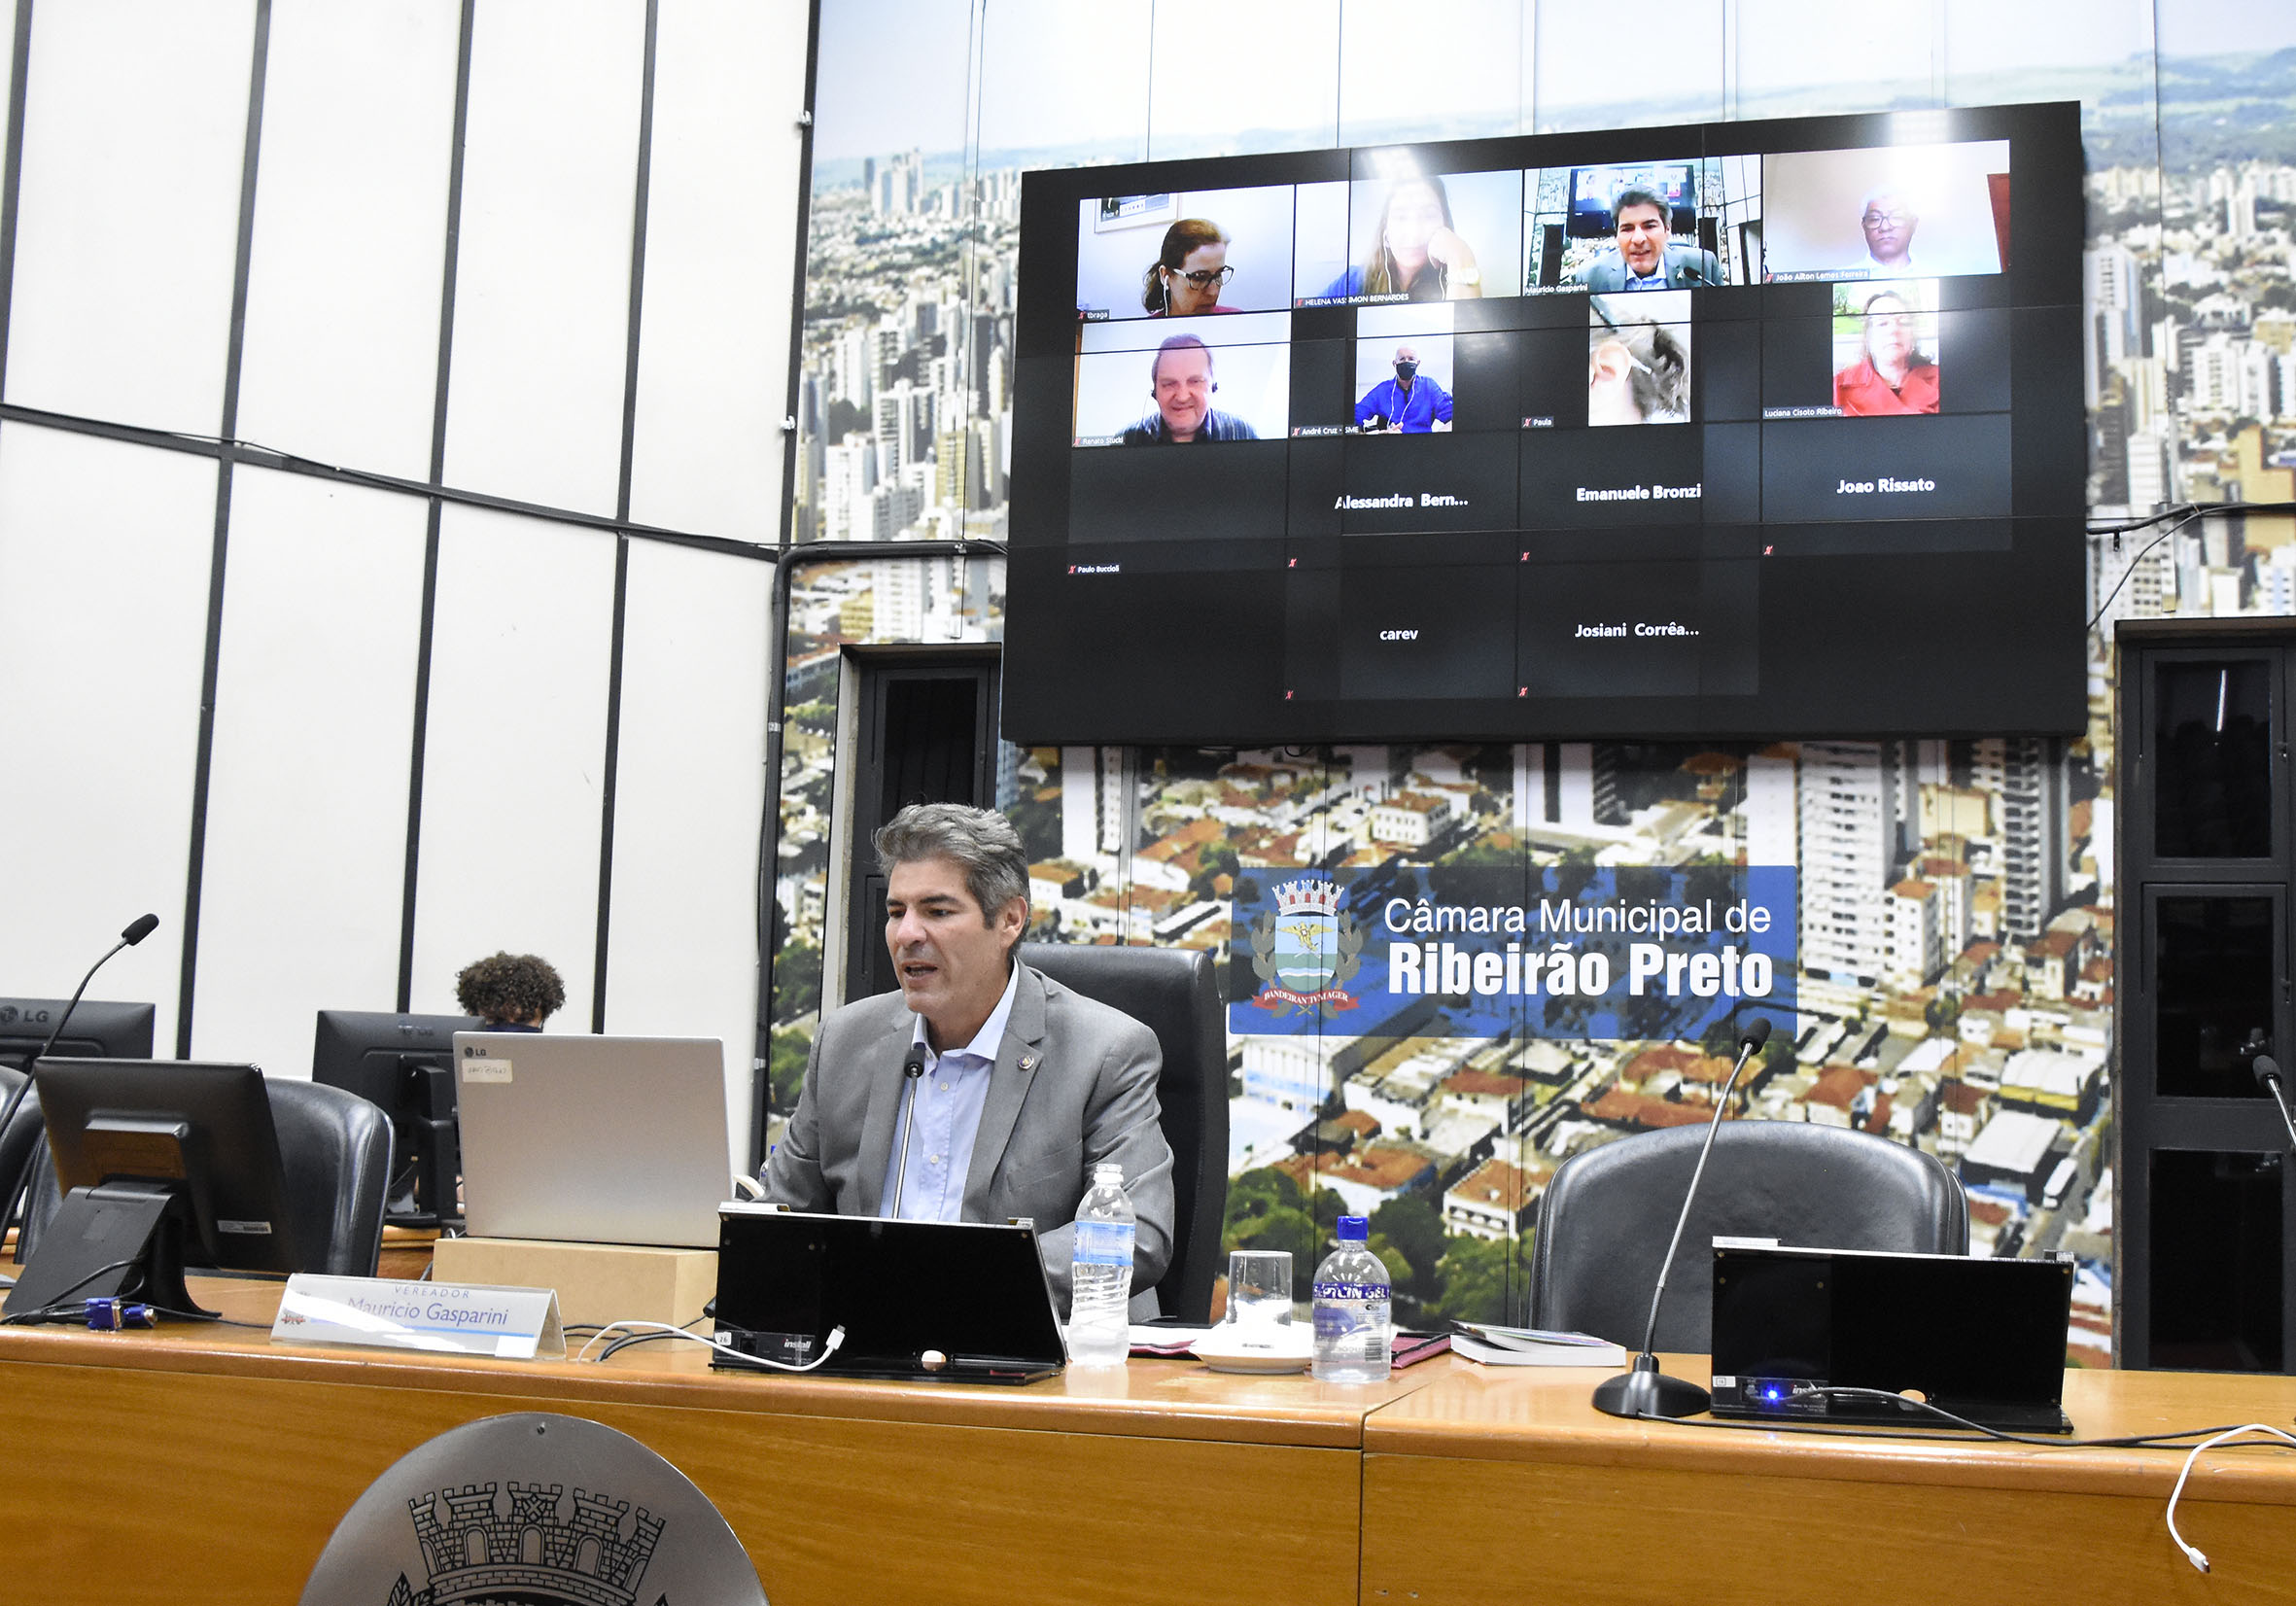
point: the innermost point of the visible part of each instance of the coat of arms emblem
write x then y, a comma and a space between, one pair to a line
1306, 950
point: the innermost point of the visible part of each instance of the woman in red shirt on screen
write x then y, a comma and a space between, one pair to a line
1892, 376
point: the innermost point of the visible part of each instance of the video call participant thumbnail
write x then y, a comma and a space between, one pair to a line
1638, 369
1888, 221
1892, 374
1415, 250
1189, 273
1409, 404
1644, 254
1180, 378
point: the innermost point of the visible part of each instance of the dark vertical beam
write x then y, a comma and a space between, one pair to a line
228, 429
13, 172
423, 645
777, 628
805, 201
613, 680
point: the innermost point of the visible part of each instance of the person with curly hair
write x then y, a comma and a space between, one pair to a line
510, 992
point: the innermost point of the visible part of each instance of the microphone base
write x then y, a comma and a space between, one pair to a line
1647, 1391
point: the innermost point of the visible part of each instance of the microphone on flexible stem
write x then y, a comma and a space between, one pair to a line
912, 1069
142, 926
1647, 1391
2268, 1077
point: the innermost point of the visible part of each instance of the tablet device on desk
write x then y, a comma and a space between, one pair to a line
1983, 1339
942, 1301
592, 1139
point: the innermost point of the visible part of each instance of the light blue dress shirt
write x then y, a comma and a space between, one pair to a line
945, 1105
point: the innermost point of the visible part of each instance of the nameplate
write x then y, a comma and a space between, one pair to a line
519, 1324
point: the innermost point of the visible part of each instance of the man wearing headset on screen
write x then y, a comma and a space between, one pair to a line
1409, 404
1180, 379
1644, 255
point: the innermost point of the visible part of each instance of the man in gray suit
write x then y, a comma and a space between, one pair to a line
1646, 256
1023, 1086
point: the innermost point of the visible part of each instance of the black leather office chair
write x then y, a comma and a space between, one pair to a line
336, 1149
1175, 993
17, 1143
1605, 1218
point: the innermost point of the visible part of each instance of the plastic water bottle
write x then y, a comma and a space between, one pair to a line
1353, 1330
1099, 1323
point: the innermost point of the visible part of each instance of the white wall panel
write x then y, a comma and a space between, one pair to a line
103, 628
1261, 77
542, 287
135, 129
515, 751
720, 243
306, 799
350, 228
689, 791
1472, 48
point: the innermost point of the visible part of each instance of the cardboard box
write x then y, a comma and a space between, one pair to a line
596, 1282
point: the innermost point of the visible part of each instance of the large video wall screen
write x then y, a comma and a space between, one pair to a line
1748, 429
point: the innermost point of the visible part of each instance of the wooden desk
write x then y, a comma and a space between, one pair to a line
1506, 1484
206, 1464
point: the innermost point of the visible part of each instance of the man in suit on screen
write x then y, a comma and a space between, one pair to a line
1025, 1085
1644, 254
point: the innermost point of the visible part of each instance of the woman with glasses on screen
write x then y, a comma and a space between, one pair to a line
1414, 250
1189, 271
1894, 376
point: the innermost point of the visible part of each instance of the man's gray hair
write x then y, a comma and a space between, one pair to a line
980, 841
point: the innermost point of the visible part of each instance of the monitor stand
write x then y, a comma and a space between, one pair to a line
115, 1240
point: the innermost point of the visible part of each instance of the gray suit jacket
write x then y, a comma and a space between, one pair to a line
1075, 1083
1607, 274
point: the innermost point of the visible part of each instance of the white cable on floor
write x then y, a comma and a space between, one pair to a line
2192, 1552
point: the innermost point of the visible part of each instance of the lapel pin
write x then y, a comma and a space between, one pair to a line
1027, 1061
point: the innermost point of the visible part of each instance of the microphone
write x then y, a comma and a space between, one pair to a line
912, 1068
142, 926
2268, 1078
1647, 1391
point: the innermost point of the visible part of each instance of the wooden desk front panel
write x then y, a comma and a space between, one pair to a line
187, 1487
1444, 1532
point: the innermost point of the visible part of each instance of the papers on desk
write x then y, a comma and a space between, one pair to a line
1172, 1342
1496, 1345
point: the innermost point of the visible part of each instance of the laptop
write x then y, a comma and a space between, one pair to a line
592, 1139
925, 1301
1983, 1339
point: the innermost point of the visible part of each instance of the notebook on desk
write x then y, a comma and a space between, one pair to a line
1983, 1339
940, 1300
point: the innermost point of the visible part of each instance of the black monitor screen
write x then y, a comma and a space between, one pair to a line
205, 1129
97, 1030
402, 1064
1747, 429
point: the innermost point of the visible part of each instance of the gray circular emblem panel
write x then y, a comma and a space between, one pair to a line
533, 1510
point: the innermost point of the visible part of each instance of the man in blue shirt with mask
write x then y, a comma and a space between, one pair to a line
1409, 403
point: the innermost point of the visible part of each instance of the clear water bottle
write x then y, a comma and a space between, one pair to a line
1099, 1323
1353, 1329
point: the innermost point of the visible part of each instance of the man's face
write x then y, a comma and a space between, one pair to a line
1184, 390
1642, 238
1888, 225
951, 965
1407, 363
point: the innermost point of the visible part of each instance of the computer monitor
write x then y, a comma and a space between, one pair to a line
402, 1064
163, 1164
98, 1029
